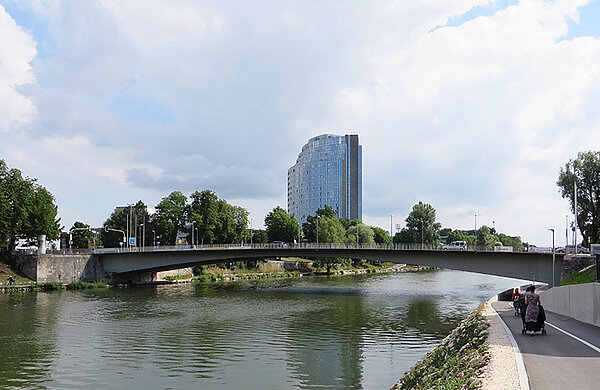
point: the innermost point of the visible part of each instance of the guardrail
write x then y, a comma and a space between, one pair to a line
403, 247
284, 246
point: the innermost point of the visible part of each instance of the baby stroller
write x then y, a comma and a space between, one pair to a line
534, 327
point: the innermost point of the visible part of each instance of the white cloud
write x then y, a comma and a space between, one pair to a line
17, 49
477, 117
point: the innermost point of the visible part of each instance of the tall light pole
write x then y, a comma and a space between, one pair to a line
154, 235
553, 258
391, 230
318, 231
421, 234
142, 229
566, 232
475, 231
575, 198
192, 228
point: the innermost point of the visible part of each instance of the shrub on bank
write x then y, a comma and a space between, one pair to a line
456, 363
49, 286
84, 285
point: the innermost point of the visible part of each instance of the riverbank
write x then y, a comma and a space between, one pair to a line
477, 354
457, 363
208, 275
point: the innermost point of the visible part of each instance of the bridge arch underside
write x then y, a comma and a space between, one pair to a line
526, 266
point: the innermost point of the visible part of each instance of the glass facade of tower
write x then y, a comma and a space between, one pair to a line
328, 171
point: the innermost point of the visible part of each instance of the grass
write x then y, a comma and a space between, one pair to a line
50, 286
178, 277
85, 286
6, 271
456, 362
586, 275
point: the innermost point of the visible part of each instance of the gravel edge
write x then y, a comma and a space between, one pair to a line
501, 373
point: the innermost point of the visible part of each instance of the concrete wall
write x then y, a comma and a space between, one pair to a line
60, 268
289, 265
579, 301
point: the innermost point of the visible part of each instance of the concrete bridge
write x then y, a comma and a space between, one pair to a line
519, 265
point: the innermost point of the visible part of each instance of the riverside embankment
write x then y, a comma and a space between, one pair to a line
477, 354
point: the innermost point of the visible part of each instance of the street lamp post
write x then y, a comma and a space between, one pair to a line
475, 231
318, 231
192, 229
107, 229
391, 230
553, 257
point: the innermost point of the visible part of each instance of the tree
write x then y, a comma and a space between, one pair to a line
132, 218
421, 226
81, 238
204, 210
216, 220
26, 208
365, 234
515, 242
42, 217
380, 236
117, 221
585, 171
281, 226
259, 236
485, 238
461, 235
309, 227
170, 217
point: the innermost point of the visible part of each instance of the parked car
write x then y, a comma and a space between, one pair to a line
456, 246
571, 249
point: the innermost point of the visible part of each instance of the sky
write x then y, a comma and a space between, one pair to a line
472, 106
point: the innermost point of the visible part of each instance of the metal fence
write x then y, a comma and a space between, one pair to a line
283, 246
288, 246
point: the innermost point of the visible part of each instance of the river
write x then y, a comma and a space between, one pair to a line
351, 332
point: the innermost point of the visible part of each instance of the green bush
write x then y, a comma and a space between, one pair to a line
85, 285
50, 286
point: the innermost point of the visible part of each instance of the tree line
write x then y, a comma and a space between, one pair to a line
202, 218
27, 209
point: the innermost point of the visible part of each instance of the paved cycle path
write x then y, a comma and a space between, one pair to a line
556, 360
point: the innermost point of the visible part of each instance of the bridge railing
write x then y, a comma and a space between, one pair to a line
284, 246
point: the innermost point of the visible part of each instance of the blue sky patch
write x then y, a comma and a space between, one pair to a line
36, 26
477, 11
145, 111
589, 22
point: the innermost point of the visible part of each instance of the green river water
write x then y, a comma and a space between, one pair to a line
351, 332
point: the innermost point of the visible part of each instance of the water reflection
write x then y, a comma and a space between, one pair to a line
338, 333
27, 339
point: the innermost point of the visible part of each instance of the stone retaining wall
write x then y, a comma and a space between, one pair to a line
574, 263
60, 268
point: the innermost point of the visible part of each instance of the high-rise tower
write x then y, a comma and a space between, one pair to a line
328, 171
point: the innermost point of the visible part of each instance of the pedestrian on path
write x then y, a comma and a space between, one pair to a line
532, 301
